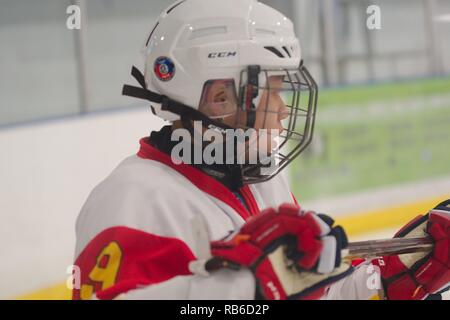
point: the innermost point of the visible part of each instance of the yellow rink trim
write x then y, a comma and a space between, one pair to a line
57, 292
355, 224
391, 217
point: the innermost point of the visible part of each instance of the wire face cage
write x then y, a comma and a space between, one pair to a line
284, 118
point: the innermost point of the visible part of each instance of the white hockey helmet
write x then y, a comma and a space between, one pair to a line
245, 41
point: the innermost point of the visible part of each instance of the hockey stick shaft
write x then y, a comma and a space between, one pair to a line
385, 247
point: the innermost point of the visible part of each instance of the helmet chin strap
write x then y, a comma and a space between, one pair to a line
232, 172
249, 98
186, 113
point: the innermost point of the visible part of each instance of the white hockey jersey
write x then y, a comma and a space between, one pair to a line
135, 237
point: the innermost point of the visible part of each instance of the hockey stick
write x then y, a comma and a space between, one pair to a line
385, 247
359, 249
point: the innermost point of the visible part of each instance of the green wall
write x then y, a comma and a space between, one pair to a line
374, 136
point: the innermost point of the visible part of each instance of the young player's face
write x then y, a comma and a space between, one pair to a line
270, 113
271, 109
219, 102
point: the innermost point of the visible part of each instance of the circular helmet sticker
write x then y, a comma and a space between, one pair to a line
164, 68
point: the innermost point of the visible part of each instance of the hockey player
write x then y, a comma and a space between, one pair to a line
171, 224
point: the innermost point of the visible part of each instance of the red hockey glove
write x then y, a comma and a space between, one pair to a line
419, 275
293, 254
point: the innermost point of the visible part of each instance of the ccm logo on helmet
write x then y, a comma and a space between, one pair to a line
213, 55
